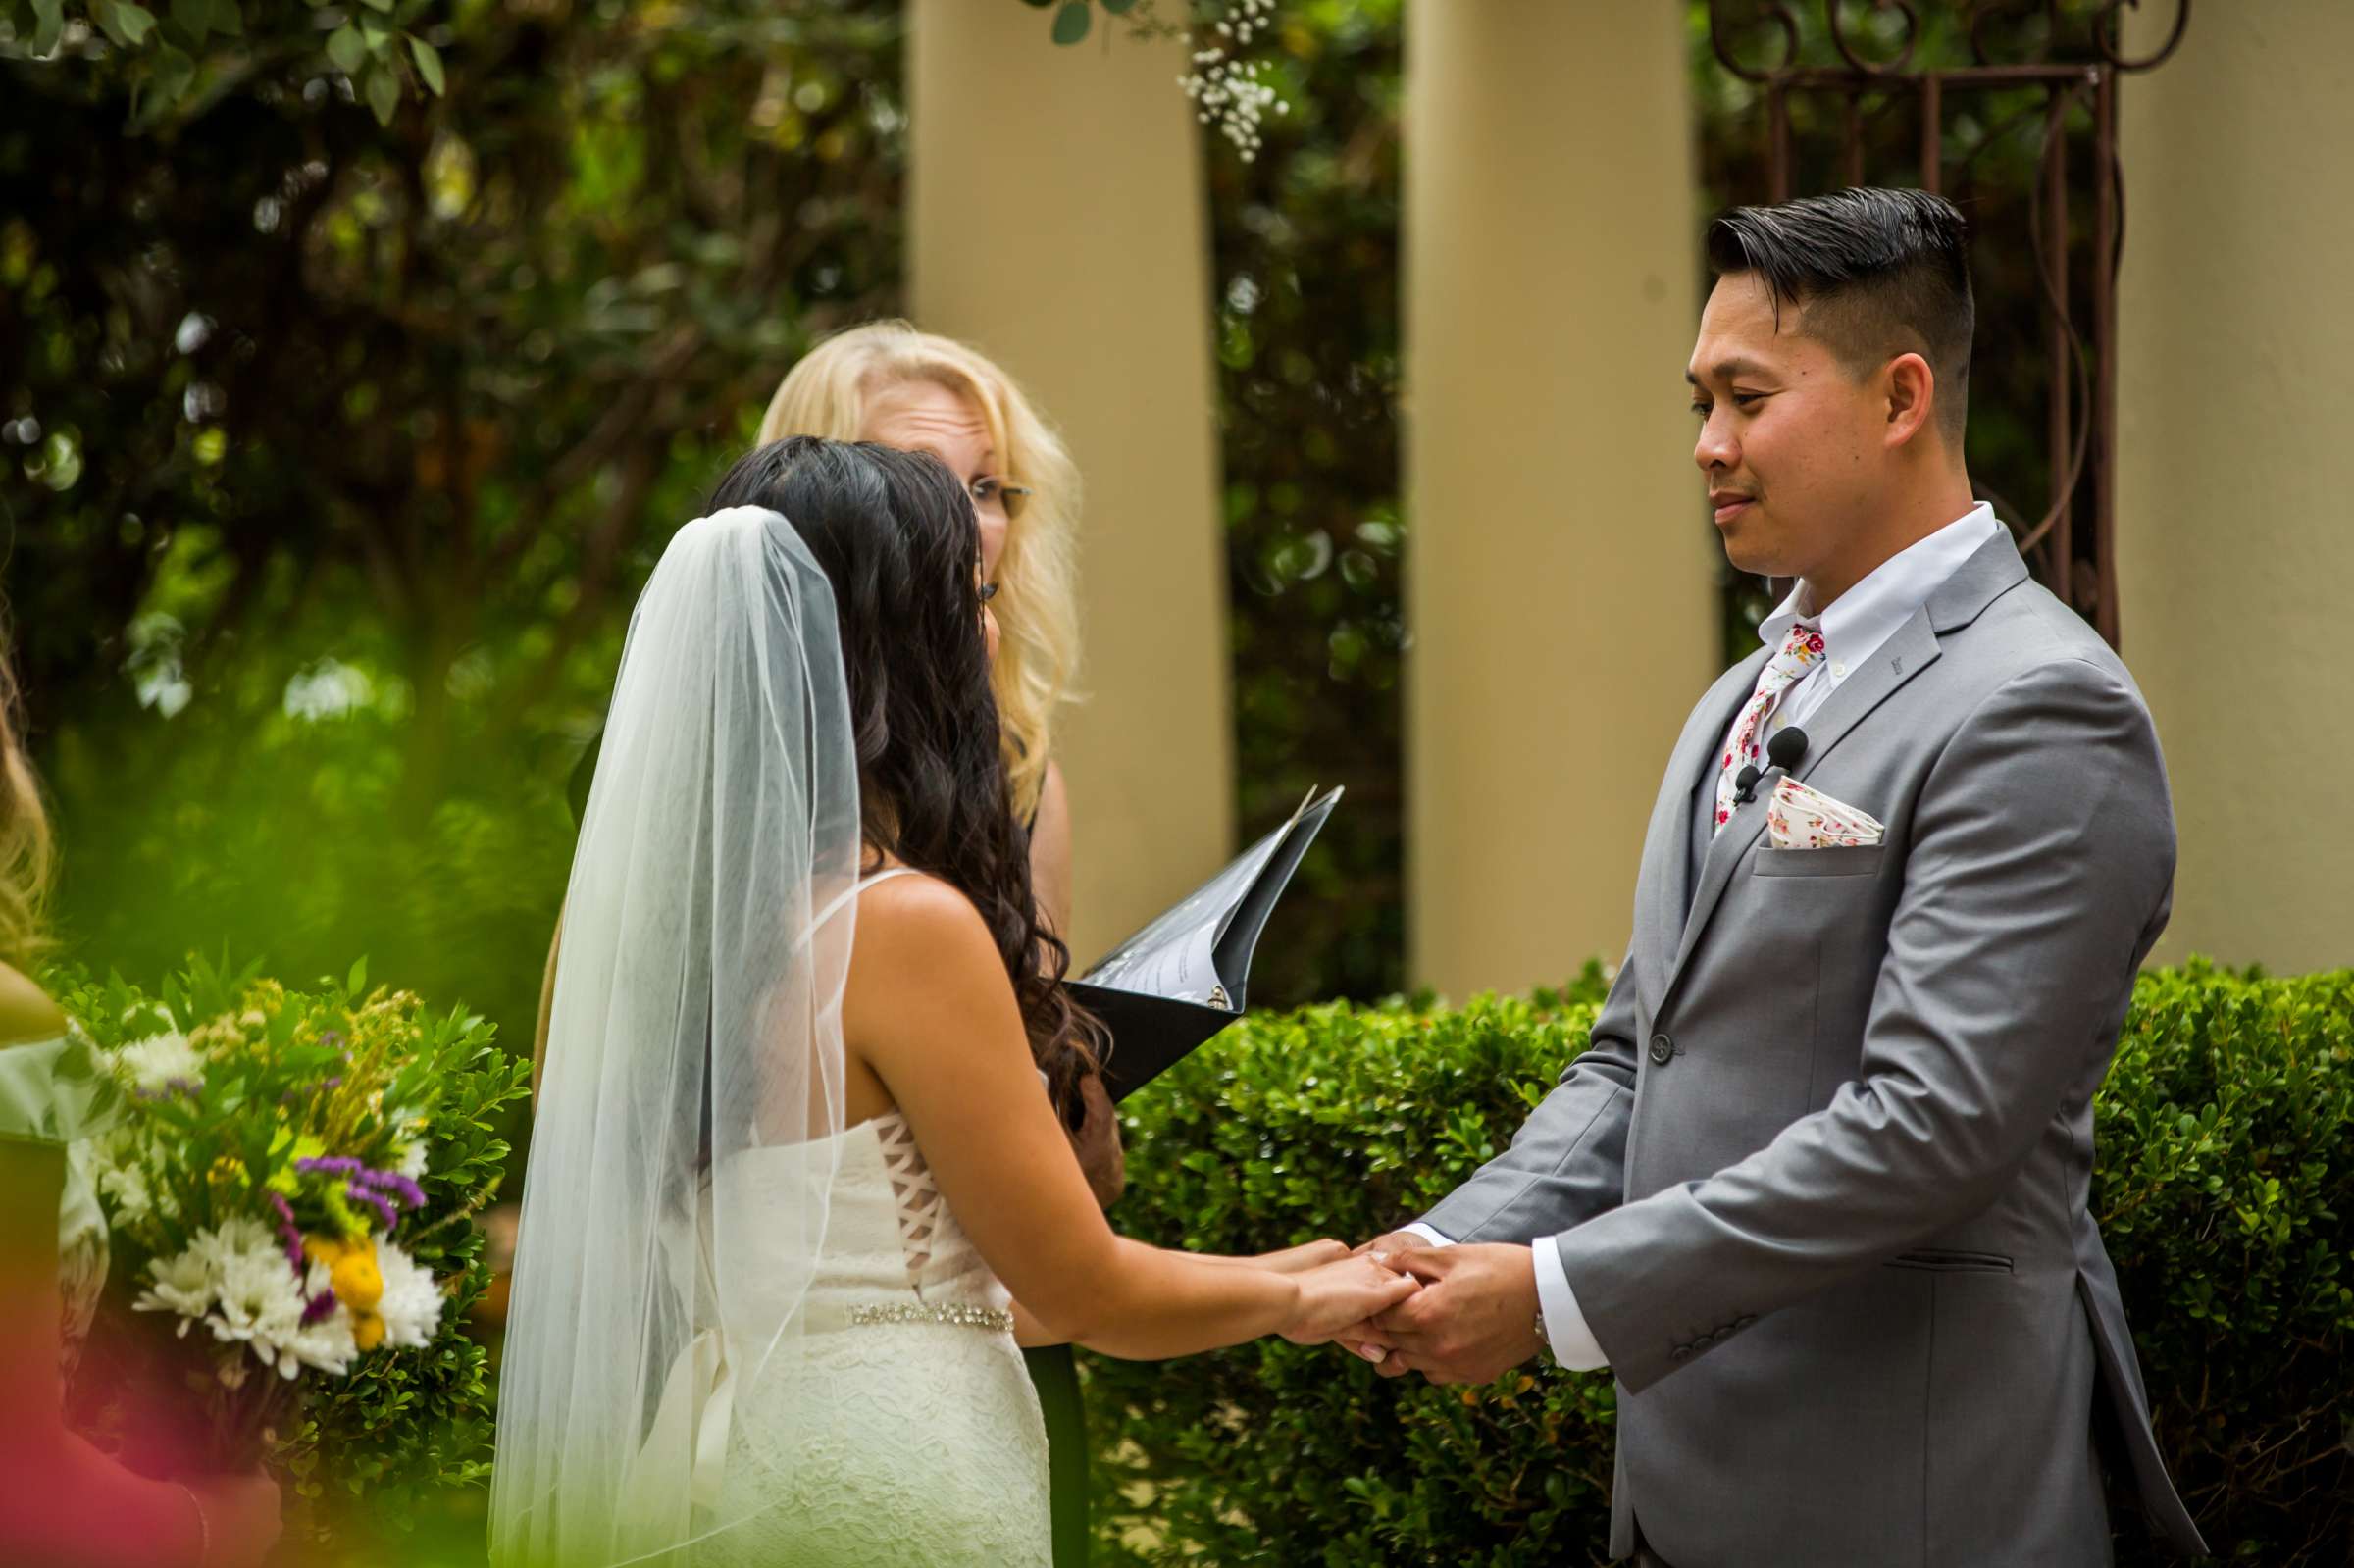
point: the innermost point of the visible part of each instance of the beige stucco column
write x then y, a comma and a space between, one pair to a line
1057, 221
2236, 523
1559, 588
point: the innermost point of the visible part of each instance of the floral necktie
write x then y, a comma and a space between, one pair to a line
1802, 650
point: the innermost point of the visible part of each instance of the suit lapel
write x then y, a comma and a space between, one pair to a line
1985, 576
1668, 889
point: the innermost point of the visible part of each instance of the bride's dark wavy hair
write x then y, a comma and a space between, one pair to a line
896, 534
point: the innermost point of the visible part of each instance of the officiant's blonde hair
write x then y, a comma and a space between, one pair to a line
26, 847
829, 394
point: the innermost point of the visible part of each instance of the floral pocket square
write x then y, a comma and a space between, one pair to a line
1800, 818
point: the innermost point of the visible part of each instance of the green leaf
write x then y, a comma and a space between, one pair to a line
1072, 22
173, 71
1037, 5
357, 980
126, 23
193, 18
229, 19
429, 65
344, 49
384, 94
49, 20
1119, 8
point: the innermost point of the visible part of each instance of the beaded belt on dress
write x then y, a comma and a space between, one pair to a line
952, 1314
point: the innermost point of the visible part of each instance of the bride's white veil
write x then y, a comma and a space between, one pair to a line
696, 1021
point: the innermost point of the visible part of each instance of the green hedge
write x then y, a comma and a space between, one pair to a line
2225, 1182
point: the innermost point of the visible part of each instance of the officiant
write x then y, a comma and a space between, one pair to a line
888, 382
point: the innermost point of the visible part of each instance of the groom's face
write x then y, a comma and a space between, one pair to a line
1788, 444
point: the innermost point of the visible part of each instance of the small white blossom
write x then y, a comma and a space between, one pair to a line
412, 1303
326, 1344
241, 1233
183, 1285
234, 1280
128, 1185
158, 1061
259, 1307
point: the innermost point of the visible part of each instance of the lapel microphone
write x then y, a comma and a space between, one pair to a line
1783, 751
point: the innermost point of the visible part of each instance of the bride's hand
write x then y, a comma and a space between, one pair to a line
241, 1517
1300, 1259
1342, 1293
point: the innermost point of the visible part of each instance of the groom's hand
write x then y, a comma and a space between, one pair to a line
1364, 1339
1473, 1320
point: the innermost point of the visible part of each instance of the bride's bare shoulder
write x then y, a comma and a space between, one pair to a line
919, 914
920, 943
27, 1014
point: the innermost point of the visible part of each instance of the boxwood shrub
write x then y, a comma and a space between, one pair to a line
2224, 1180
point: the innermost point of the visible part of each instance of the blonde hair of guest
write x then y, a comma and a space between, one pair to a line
829, 392
27, 849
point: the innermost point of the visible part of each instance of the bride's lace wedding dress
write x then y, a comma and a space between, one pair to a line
906, 1430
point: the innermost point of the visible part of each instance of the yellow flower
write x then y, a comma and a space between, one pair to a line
353, 1274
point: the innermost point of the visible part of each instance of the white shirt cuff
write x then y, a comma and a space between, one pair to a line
1573, 1343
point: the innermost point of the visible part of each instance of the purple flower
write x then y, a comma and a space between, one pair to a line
411, 1196
318, 1307
374, 1200
290, 1232
375, 1189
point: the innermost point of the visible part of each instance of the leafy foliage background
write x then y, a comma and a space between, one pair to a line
2224, 1186
335, 440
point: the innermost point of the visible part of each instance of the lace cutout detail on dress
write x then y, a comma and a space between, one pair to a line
917, 1195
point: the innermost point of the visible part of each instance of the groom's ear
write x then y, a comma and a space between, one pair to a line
1912, 394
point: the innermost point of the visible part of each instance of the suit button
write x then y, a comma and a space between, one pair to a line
1743, 1323
1661, 1048
1682, 1352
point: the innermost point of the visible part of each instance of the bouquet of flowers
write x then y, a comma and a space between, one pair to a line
289, 1181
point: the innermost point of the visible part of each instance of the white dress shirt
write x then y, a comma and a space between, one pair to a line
1855, 626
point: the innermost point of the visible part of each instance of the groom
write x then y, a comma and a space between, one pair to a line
1817, 1195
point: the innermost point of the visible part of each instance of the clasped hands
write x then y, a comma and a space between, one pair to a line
1472, 1319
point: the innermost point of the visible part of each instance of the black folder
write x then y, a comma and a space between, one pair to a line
1185, 975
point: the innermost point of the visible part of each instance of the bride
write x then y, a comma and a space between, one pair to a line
799, 1181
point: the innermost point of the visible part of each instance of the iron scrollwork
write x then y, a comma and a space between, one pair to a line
2067, 56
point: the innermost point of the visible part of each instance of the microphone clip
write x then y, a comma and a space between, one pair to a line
1782, 752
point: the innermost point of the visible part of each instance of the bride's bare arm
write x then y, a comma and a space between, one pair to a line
65, 1502
1029, 1333
929, 1009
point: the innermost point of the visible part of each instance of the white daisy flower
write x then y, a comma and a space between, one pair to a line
160, 1061
240, 1233
412, 1305
326, 1344
183, 1285
128, 1185
259, 1307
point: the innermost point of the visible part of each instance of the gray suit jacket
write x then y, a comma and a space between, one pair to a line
1819, 1185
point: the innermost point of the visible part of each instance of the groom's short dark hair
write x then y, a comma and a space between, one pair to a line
1874, 274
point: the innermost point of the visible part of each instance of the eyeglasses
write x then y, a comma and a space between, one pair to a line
990, 490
